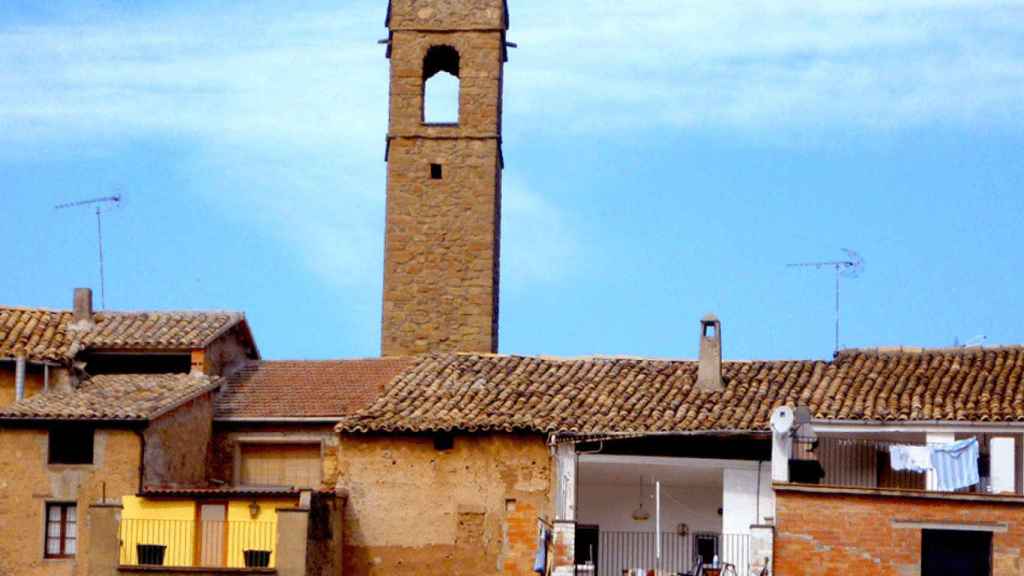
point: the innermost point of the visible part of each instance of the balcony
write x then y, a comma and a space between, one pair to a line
840, 461
197, 544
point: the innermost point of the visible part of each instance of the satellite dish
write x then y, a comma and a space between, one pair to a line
782, 419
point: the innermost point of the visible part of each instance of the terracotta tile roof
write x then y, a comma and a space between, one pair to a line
218, 491
602, 395
49, 335
113, 397
305, 389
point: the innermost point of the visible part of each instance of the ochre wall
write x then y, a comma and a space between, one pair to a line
415, 510
226, 435
33, 382
177, 444
27, 483
855, 536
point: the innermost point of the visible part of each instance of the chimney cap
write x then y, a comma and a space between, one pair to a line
709, 318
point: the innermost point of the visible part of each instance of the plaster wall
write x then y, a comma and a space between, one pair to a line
611, 507
27, 483
744, 501
34, 381
227, 436
469, 510
177, 444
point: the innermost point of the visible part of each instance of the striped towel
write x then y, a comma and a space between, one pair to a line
956, 464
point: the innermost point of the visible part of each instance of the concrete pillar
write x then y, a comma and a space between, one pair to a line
104, 550
931, 481
292, 532
762, 546
1003, 462
563, 547
565, 497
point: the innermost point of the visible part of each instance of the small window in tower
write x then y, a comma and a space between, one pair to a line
436, 172
441, 85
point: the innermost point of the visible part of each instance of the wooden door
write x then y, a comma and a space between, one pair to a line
212, 534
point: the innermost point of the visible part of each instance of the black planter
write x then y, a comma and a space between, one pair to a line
151, 554
256, 558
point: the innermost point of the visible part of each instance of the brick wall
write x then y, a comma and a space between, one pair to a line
27, 483
442, 242
855, 534
412, 509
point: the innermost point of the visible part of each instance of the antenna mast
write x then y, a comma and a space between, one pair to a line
104, 203
851, 267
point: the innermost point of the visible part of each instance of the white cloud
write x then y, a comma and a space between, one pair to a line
287, 107
539, 244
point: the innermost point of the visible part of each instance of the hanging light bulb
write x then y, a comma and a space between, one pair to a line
641, 514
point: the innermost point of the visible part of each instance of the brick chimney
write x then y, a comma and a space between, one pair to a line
709, 367
82, 310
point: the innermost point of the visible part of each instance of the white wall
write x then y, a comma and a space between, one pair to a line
744, 502
611, 506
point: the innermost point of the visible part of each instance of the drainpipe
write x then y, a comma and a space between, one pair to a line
46, 377
19, 378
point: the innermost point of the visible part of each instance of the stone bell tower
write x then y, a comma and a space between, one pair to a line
444, 179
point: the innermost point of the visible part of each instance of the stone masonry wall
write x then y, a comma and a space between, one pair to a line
412, 509
447, 14
855, 535
27, 483
177, 444
442, 242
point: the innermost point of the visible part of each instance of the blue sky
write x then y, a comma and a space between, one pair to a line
664, 159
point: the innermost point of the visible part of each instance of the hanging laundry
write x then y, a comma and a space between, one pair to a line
910, 458
540, 561
956, 464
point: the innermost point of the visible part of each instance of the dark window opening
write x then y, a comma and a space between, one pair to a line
705, 547
61, 530
96, 364
956, 553
435, 172
444, 441
71, 444
441, 85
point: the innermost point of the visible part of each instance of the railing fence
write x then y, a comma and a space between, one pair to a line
619, 550
864, 463
191, 543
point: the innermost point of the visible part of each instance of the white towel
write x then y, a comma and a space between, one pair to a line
911, 458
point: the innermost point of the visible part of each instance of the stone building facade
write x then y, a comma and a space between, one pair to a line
444, 180
468, 507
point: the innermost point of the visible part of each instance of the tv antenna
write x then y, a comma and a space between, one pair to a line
851, 267
102, 204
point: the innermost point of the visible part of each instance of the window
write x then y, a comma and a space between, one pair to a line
441, 85
956, 553
61, 530
71, 444
297, 465
444, 441
436, 172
